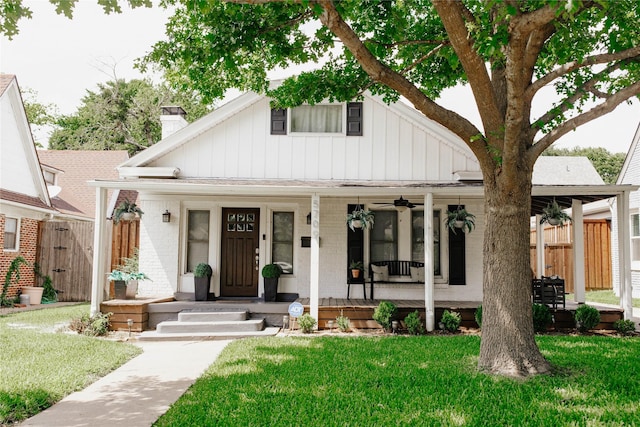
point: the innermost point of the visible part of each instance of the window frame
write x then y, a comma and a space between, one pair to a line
16, 239
634, 238
436, 226
187, 270
291, 242
343, 120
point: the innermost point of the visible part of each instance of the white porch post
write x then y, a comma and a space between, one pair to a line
98, 275
624, 254
540, 259
315, 256
577, 231
428, 263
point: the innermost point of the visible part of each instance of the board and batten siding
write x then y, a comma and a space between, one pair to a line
393, 147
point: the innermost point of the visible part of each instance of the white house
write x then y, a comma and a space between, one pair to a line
627, 230
247, 185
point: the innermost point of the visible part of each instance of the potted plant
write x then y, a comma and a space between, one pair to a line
119, 279
459, 219
360, 218
202, 279
126, 211
132, 283
554, 215
356, 267
271, 274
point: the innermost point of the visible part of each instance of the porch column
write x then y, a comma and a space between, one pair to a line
540, 258
428, 263
577, 235
624, 254
99, 275
315, 256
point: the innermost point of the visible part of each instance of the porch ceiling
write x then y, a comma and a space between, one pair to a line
542, 195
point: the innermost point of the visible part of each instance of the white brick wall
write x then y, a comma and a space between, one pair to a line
159, 247
161, 254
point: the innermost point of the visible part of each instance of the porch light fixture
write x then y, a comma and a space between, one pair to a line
309, 219
166, 216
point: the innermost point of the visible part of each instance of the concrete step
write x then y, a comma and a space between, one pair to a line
173, 326
200, 336
212, 316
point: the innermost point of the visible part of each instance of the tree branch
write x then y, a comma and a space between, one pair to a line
600, 110
381, 73
565, 69
451, 13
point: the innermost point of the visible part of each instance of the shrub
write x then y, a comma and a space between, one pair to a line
203, 270
384, 314
541, 317
306, 322
586, 317
414, 323
451, 320
342, 322
478, 316
271, 271
94, 326
624, 326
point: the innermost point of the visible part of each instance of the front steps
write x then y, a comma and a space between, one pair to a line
202, 325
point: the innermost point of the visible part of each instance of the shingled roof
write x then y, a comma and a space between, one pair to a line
76, 197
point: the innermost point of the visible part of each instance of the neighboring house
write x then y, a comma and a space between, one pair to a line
628, 231
67, 172
24, 200
247, 185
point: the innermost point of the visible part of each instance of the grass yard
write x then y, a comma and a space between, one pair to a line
38, 366
399, 381
604, 297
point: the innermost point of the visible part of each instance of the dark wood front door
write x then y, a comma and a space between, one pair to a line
240, 246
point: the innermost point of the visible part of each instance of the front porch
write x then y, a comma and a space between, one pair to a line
147, 313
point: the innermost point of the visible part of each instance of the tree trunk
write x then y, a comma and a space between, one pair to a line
508, 346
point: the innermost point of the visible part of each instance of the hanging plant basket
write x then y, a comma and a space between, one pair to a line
460, 219
360, 218
554, 215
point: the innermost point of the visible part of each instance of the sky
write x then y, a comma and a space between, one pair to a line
61, 59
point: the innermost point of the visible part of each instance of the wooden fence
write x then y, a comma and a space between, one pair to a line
65, 253
125, 238
559, 254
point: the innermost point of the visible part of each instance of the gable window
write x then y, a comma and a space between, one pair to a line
49, 177
322, 118
197, 238
384, 236
417, 239
11, 234
635, 238
317, 118
282, 241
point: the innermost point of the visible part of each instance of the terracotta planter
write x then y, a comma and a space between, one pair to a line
34, 292
355, 273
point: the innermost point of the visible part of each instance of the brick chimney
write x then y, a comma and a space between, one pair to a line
172, 119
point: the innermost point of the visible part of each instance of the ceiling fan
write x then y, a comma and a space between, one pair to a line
401, 203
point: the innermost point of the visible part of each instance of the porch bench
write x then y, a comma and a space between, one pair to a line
548, 291
398, 273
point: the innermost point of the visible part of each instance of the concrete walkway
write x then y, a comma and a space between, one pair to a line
137, 393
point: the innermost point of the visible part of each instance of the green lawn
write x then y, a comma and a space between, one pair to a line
398, 381
38, 366
604, 297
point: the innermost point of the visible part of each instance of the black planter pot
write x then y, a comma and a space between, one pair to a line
120, 289
202, 288
270, 289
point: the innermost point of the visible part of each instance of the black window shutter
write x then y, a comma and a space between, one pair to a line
355, 242
354, 119
456, 255
278, 121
